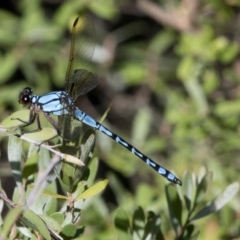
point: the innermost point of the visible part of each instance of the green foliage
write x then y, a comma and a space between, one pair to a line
172, 72
183, 208
186, 204
32, 206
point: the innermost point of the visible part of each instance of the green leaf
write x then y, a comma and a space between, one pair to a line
202, 187
138, 223
9, 64
45, 159
10, 220
227, 108
14, 157
186, 68
11, 120
106, 10
162, 41
51, 222
68, 231
231, 52
58, 216
93, 190
189, 190
148, 193
196, 91
41, 204
30, 165
152, 228
122, 225
71, 172
141, 126
33, 221
48, 193
81, 145
87, 144
221, 200
41, 136
174, 206
93, 167
188, 233
133, 73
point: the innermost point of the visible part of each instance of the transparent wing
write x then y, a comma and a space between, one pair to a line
78, 79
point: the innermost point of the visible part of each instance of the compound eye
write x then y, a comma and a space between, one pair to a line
25, 96
25, 99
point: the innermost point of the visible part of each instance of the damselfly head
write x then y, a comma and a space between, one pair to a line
25, 96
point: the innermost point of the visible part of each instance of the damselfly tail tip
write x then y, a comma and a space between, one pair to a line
177, 181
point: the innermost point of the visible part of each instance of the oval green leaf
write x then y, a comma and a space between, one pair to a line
11, 121
93, 190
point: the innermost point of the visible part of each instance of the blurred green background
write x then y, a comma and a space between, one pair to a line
171, 70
